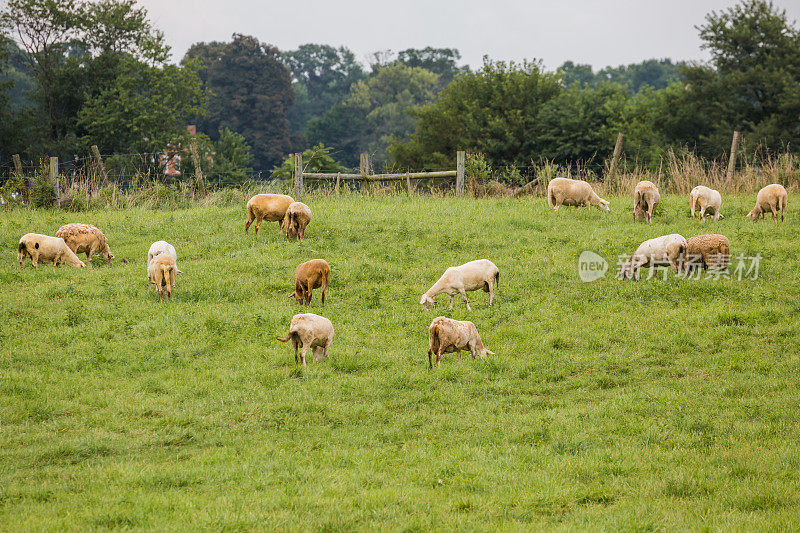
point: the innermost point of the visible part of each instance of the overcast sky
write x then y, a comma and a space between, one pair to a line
598, 32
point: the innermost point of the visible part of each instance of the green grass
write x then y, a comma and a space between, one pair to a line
653, 405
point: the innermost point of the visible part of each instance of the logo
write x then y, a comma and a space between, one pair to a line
591, 266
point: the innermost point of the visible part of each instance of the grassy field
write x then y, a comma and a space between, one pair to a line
610, 405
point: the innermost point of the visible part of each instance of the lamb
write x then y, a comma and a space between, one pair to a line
158, 248
297, 217
565, 191
661, 251
85, 238
269, 207
308, 276
161, 272
480, 274
645, 198
310, 331
771, 198
708, 251
446, 335
46, 249
708, 200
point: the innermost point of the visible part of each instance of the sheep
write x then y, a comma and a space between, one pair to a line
85, 238
708, 200
161, 272
665, 250
310, 331
645, 198
565, 191
269, 207
771, 198
297, 217
308, 276
708, 251
446, 335
161, 247
480, 274
46, 249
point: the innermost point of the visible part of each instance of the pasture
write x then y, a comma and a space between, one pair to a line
662, 404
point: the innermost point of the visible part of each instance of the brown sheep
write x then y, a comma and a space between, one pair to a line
85, 238
46, 249
310, 331
308, 276
297, 217
269, 207
645, 198
771, 198
446, 335
161, 271
707, 251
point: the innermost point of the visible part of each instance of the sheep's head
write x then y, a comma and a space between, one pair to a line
298, 297
486, 352
604, 205
107, 253
753, 215
426, 302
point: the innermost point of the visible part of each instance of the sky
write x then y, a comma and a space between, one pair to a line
597, 32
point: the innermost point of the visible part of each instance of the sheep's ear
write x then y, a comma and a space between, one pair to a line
292, 295
489, 352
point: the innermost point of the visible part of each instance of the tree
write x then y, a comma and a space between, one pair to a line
493, 111
316, 159
322, 76
232, 159
440, 61
251, 94
752, 84
375, 112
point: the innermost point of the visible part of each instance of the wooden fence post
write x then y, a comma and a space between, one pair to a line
54, 179
338, 179
732, 160
198, 171
17, 165
617, 151
99, 161
460, 164
363, 167
408, 182
298, 174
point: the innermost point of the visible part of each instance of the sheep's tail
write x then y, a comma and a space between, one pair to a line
497, 279
551, 198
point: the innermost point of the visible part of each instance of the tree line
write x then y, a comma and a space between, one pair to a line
78, 73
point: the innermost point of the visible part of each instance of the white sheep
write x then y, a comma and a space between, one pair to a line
708, 200
308, 330
46, 249
161, 247
480, 274
661, 251
771, 198
565, 191
446, 335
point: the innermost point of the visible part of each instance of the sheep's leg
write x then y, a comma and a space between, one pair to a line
650, 213
323, 295
491, 293
303, 354
451, 298
308, 295
294, 341
774, 212
702, 213
439, 358
430, 359
464, 295
692, 201
250, 218
258, 224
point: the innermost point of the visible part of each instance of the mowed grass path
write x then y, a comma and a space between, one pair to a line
611, 405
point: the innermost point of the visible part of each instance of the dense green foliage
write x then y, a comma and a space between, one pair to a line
316, 159
658, 405
653, 73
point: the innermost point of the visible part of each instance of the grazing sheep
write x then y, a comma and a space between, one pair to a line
308, 276
85, 238
297, 217
480, 274
565, 191
661, 251
708, 200
645, 199
446, 335
161, 272
771, 198
310, 331
161, 247
46, 249
269, 207
708, 251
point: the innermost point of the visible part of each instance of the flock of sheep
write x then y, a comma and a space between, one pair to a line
314, 332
